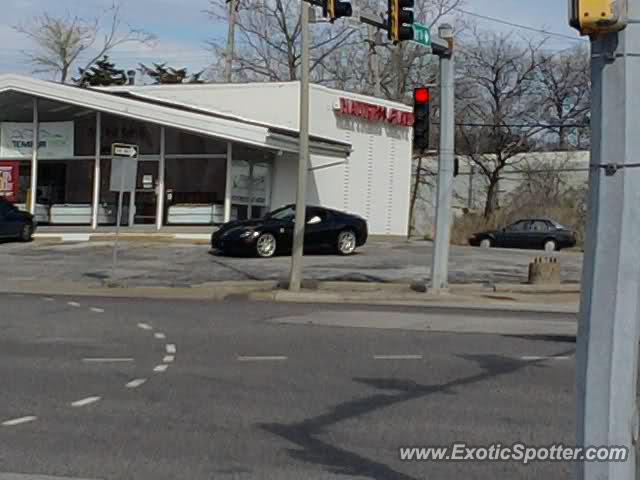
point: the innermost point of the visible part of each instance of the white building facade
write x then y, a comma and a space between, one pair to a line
208, 153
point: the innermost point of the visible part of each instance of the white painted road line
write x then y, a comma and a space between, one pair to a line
531, 358
107, 360
263, 358
136, 383
85, 401
145, 326
48, 299
168, 359
160, 335
73, 304
97, 310
397, 357
171, 348
18, 421
161, 368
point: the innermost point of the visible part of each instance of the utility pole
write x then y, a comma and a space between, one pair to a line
607, 345
295, 277
374, 60
231, 42
440, 264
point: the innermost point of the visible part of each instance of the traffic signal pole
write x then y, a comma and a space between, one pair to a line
607, 344
295, 276
446, 154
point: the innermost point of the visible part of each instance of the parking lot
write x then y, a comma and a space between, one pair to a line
143, 263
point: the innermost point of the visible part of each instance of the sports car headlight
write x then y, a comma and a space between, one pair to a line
249, 234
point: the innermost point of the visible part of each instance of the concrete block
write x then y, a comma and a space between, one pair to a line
544, 270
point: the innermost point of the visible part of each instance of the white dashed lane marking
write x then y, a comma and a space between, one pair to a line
161, 368
19, 421
168, 359
160, 335
145, 326
73, 304
107, 360
48, 299
136, 383
97, 310
85, 401
397, 357
263, 358
171, 348
531, 358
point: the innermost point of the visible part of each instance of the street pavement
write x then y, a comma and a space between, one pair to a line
175, 265
100, 388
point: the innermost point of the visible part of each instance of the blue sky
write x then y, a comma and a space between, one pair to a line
182, 27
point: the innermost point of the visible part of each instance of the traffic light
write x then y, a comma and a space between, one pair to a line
400, 21
336, 9
598, 16
421, 123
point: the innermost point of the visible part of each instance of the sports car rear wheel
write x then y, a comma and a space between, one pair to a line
266, 245
346, 242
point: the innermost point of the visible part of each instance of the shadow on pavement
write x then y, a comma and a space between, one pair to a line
340, 461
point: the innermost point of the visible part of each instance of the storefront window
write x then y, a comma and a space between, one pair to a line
194, 190
123, 130
183, 143
250, 183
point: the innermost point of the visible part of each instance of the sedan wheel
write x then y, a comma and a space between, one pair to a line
266, 245
26, 234
550, 246
485, 243
346, 242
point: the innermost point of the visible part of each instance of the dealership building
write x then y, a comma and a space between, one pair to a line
207, 153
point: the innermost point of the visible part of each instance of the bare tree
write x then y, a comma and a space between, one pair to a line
498, 80
564, 93
62, 41
268, 45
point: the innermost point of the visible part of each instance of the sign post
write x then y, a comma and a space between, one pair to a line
421, 34
124, 171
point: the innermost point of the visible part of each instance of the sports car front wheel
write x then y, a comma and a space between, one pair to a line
346, 242
266, 245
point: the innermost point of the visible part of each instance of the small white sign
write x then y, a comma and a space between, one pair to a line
147, 181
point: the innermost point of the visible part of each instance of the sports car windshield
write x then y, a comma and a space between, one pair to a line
284, 213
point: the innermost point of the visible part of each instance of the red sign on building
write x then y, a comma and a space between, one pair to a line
9, 180
375, 113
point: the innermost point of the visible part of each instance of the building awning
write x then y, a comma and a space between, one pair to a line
193, 120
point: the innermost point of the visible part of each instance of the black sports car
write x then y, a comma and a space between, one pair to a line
531, 233
14, 223
325, 228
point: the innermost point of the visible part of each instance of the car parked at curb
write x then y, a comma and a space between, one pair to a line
325, 229
14, 223
534, 233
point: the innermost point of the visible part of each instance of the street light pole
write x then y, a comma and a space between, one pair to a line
440, 264
295, 277
607, 344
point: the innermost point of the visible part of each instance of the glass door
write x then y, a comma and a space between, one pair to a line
146, 197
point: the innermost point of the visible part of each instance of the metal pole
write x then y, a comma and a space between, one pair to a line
374, 60
231, 42
295, 277
33, 200
607, 344
472, 172
440, 267
228, 184
160, 193
118, 220
95, 211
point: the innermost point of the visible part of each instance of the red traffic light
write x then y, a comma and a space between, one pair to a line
421, 95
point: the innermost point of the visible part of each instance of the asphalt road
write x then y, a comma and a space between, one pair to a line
170, 264
245, 397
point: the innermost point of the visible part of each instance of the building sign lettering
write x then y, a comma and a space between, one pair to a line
374, 113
